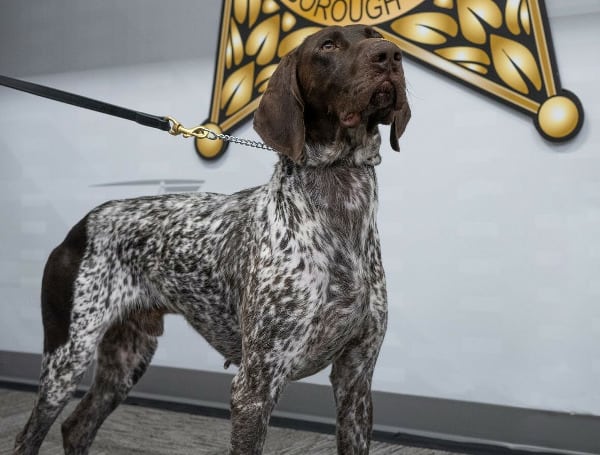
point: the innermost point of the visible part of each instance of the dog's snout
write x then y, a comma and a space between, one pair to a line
385, 55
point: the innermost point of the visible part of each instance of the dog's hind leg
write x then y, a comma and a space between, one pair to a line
74, 321
123, 356
60, 375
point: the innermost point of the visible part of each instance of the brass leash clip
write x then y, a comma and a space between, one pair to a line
201, 132
198, 131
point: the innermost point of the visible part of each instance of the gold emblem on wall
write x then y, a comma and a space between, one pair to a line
501, 48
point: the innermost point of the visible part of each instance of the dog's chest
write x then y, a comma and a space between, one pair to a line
323, 303
314, 270
326, 226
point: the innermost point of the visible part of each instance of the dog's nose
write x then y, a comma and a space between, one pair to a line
385, 55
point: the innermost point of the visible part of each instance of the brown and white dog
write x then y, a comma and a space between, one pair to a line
283, 279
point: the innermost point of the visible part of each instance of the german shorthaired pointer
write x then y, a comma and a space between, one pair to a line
283, 279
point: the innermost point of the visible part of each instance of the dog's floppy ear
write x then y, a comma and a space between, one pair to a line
279, 119
399, 123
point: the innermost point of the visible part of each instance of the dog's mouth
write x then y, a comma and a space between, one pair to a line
384, 96
380, 105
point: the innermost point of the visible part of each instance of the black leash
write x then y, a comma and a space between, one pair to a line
165, 123
153, 121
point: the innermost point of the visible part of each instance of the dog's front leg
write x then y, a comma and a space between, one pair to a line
253, 397
351, 379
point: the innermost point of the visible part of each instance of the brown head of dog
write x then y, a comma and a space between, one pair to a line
339, 81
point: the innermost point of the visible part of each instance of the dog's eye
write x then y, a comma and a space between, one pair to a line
328, 45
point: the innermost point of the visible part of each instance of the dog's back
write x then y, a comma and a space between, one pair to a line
171, 254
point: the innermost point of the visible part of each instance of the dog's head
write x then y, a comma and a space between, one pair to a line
339, 80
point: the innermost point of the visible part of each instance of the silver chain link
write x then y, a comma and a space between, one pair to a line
238, 140
202, 132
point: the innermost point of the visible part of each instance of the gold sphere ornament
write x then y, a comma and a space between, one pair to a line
210, 149
560, 117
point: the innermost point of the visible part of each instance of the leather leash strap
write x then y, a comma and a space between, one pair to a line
153, 121
166, 123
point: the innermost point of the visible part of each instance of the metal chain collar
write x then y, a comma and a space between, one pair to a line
204, 133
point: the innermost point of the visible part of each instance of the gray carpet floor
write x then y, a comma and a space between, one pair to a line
143, 430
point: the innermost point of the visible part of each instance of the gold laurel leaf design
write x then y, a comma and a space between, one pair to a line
287, 21
237, 89
294, 39
270, 7
236, 43
265, 74
474, 67
254, 11
426, 28
228, 54
240, 9
512, 61
471, 14
464, 54
448, 4
262, 87
517, 15
511, 13
524, 15
263, 40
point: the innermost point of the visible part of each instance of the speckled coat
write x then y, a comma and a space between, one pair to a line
282, 279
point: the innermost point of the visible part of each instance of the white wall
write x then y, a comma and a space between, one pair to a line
490, 234
490, 241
